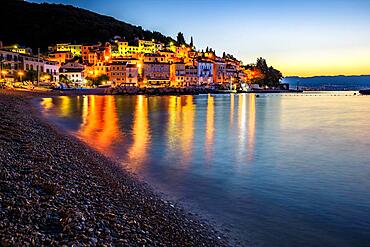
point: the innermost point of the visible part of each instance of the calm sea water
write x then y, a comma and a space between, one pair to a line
277, 170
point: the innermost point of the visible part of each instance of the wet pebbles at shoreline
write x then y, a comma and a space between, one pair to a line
56, 191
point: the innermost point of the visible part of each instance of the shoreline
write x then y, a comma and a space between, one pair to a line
56, 190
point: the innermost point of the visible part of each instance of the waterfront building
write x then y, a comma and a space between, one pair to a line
231, 72
29, 63
191, 75
10, 62
219, 72
177, 71
74, 72
117, 73
156, 74
205, 72
98, 69
131, 77
52, 68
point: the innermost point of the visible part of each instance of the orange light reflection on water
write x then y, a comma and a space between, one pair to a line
99, 126
210, 127
231, 110
187, 137
251, 125
141, 134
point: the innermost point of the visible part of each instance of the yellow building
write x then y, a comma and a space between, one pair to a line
124, 49
143, 46
146, 46
74, 49
168, 54
17, 49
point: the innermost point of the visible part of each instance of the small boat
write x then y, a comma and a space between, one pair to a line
365, 92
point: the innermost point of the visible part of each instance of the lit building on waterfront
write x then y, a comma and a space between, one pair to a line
205, 72
73, 72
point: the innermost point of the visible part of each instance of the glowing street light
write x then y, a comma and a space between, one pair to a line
20, 73
3, 73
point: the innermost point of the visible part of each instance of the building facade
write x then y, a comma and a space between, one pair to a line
156, 74
132, 75
117, 73
74, 72
205, 72
178, 74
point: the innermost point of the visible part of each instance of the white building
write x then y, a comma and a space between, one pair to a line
12, 62
52, 68
73, 71
205, 72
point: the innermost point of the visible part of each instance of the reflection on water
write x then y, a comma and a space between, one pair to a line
99, 127
140, 133
251, 125
210, 128
278, 170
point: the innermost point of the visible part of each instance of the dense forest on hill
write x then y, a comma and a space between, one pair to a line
39, 25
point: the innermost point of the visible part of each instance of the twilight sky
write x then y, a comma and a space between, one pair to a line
317, 37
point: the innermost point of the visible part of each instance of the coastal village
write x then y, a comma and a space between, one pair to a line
119, 63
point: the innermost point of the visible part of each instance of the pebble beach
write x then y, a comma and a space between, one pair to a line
56, 191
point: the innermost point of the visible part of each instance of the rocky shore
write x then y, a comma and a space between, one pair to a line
56, 191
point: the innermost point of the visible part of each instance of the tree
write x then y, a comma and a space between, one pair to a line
96, 81
30, 75
271, 76
191, 42
207, 49
64, 79
101, 80
181, 39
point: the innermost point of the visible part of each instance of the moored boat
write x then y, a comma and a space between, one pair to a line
365, 92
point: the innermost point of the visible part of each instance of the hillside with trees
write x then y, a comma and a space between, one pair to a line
265, 75
39, 25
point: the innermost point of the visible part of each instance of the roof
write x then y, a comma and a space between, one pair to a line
153, 55
55, 52
168, 51
131, 65
156, 63
70, 70
118, 63
204, 61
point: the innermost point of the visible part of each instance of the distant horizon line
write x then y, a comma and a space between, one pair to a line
325, 76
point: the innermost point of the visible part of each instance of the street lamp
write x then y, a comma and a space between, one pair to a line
3, 73
20, 73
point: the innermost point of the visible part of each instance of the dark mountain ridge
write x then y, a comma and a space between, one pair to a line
39, 25
340, 82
